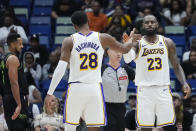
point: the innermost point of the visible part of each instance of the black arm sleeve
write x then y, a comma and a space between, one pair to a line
103, 68
130, 72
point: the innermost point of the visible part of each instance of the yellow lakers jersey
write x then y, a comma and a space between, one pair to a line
152, 67
86, 58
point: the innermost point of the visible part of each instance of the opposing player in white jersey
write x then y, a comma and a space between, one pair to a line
84, 51
151, 55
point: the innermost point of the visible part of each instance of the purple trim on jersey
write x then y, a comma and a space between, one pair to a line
81, 33
113, 67
85, 35
64, 108
89, 33
136, 109
104, 105
170, 89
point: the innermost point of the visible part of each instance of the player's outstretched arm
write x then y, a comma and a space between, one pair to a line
108, 41
177, 67
66, 48
131, 55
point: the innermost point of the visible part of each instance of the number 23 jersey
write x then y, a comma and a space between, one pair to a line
86, 58
152, 67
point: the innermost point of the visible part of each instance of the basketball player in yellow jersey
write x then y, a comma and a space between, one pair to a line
84, 51
151, 55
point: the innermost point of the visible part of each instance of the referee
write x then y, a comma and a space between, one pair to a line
115, 80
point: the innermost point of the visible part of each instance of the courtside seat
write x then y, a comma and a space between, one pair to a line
58, 39
40, 20
63, 21
41, 29
41, 11
21, 11
192, 83
23, 19
174, 29
64, 29
178, 39
43, 2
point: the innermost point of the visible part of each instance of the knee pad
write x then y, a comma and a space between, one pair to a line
69, 127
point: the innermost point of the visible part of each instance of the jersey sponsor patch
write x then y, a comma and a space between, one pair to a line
123, 77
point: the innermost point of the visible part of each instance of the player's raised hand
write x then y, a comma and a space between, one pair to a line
125, 37
132, 33
134, 37
186, 90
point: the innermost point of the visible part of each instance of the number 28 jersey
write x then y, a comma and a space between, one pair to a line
152, 67
86, 58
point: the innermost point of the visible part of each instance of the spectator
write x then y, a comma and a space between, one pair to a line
178, 110
109, 6
186, 54
190, 66
130, 122
125, 20
62, 8
193, 104
97, 20
48, 69
9, 26
183, 117
175, 13
127, 6
132, 101
191, 6
193, 111
115, 29
10, 11
32, 69
40, 52
32, 72
139, 5
59, 106
35, 104
115, 78
3, 125
49, 119
86, 7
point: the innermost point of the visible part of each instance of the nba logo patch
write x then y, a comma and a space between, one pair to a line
160, 44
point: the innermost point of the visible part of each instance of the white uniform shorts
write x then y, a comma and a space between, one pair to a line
85, 101
154, 101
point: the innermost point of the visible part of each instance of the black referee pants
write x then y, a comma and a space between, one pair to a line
115, 116
9, 105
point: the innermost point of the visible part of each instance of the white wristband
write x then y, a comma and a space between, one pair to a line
57, 76
129, 56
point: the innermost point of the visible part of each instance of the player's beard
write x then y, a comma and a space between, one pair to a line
149, 32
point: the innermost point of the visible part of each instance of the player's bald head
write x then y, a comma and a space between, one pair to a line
150, 18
